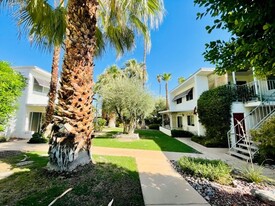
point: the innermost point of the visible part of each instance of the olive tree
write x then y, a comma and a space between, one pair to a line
128, 99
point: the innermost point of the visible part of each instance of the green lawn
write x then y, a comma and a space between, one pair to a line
149, 140
110, 178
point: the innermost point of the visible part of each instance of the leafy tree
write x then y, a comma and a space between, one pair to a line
73, 125
128, 98
11, 86
154, 117
166, 77
252, 28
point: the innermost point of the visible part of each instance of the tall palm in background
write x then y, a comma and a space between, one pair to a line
181, 80
73, 125
133, 69
166, 77
159, 77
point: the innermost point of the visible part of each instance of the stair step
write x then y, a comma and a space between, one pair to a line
249, 142
242, 156
252, 147
241, 150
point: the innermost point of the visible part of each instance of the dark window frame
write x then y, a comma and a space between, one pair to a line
179, 101
190, 96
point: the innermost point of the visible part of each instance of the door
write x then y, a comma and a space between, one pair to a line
179, 121
239, 125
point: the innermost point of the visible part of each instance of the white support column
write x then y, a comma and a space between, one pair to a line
234, 78
256, 83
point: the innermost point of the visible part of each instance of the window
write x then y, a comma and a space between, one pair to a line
179, 121
190, 120
179, 100
38, 86
271, 82
35, 121
189, 96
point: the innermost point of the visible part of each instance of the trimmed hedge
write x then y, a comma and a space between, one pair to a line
37, 138
181, 133
214, 110
203, 140
154, 126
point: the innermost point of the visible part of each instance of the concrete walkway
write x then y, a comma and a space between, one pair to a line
161, 184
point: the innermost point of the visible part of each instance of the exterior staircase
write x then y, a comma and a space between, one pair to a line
244, 147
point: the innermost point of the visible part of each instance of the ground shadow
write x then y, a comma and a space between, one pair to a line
95, 184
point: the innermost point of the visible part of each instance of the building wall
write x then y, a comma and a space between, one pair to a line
29, 101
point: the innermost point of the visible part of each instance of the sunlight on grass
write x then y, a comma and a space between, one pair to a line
149, 140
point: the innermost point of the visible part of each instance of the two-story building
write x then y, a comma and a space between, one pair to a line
254, 102
32, 103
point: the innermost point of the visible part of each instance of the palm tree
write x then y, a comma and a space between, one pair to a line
159, 77
73, 125
133, 69
166, 77
181, 80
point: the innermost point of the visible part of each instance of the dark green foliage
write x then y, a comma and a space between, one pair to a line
265, 135
11, 85
208, 142
155, 117
37, 138
154, 126
252, 28
214, 170
3, 139
214, 110
181, 133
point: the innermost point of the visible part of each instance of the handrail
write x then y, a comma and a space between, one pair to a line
265, 115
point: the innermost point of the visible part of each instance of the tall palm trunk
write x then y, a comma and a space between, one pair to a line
166, 90
53, 87
73, 126
143, 125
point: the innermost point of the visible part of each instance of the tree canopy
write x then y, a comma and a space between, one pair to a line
128, 99
11, 86
252, 27
122, 92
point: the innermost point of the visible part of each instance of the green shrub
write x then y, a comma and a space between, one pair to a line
253, 174
208, 142
181, 133
100, 123
214, 170
3, 139
154, 126
37, 138
214, 110
265, 135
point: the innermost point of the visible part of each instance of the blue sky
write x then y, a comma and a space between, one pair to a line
177, 46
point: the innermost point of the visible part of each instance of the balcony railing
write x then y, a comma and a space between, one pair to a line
253, 91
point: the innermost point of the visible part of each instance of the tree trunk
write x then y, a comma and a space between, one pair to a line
73, 126
112, 120
53, 88
129, 126
166, 90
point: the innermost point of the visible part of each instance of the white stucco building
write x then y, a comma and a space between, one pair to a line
253, 104
32, 103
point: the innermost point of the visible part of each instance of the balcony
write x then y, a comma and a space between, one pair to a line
254, 91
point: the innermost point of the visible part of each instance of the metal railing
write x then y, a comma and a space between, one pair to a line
253, 91
251, 121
